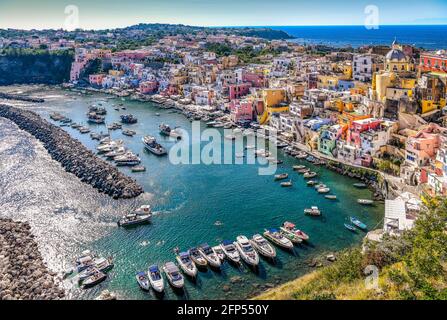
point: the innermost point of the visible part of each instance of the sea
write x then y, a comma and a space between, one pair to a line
429, 37
192, 204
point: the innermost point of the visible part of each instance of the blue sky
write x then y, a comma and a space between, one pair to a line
101, 14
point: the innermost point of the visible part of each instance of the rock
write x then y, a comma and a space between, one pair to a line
226, 288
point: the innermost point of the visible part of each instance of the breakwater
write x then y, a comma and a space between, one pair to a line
23, 274
8, 96
73, 156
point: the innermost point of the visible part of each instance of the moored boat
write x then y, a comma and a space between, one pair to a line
314, 211
173, 275
360, 185
365, 202
211, 257
287, 184
310, 175
128, 119
186, 264
143, 281
330, 197
219, 252
277, 238
152, 146
281, 176
297, 168
263, 247
350, 227
198, 259
290, 228
155, 278
128, 132
95, 278
323, 190
246, 251
359, 224
230, 251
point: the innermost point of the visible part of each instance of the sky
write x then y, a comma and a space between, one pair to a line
104, 14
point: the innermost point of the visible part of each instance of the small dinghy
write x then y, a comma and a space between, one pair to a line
143, 281
359, 224
155, 279
311, 183
350, 227
277, 238
331, 197
138, 169
198, 259
365, 202
230, 251
303, 171
186, 264
173, 275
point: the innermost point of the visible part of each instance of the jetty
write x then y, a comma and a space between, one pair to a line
8, 96
73, 155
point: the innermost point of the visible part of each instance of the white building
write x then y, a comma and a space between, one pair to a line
362, 68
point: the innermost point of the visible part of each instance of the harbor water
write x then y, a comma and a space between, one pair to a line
192, 204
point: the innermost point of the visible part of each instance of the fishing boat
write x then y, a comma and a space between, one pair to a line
129, 133
186, 264
155, 279
197, 257
95, 278
95, 118
230, 251
360, 185
330, 197
313, 211
359, 224
365, 202
281, 176
290, 228
134, 219
128, 119
211, 257
219, 252
127, 159
143, 281
246, 251
263, 247
138, 169
310, 175
97, 110
350, 227
287, 184
173, 275
277, 238
165, 130
152, 146
297, 168
293, 238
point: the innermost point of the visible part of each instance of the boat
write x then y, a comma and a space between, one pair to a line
74, 125
128, 119
84, 130
95, 118
248, 132
359, 224
138, 169
297, 168
310, 175
152, 146
277, 238
230, 137
293, 238
97, 110
102, 264
134, 219
129, 133
173, 275
114, 126
290, 228
365, 202
303, 171
143, 281
246, 251
330, 197
281, 176
287, 184
211, 257
301, 155
350, 227
127, 159
84, 261
314, 211
323, 190
311, 183
219, 252
360, 185
211, 123
186, 264
86, 273
230, 251
166, 130
155, 279
263, 247
115, 153
197, 258
95, 278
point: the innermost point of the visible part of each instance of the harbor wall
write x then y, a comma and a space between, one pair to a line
73, 155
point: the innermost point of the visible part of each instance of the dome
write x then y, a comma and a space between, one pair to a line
396, 55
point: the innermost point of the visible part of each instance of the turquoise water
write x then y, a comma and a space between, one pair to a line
189, 199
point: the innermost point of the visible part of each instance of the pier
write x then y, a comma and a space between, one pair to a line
73, 155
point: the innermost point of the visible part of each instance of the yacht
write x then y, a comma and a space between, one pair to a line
198, 259
246, 250
173, 275
155, 279
263, 247
290, 228
230, 251
143, 281
152, 146
134, 219
211, 257
277, 238
186, 264
127, 159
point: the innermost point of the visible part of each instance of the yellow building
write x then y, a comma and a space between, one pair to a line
397, 61
327, 82
275, 101
116, 73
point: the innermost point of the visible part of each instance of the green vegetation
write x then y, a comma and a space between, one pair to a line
23, 66
245, 55
412, 266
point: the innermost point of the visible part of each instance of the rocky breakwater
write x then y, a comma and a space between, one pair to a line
73, 155
8, 96
23, 274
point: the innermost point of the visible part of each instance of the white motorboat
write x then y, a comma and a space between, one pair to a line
197, 257
219, 252
151, 144
134, 219
277, 238
248, 132
230, 251
263, 247
365, 202
314, 211
296, 168
310, 175
127, 159
301, 155
95, 278
186, 264
281, 176
211, 257
290, 228
128, 132
155, 278
323, 190
84, 261
143, 280
246, 251
173, 275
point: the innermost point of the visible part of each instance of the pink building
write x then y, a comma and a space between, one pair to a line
236, 91
241, 110
255, 79
421, 148
96, 79
359, 126
148, 87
